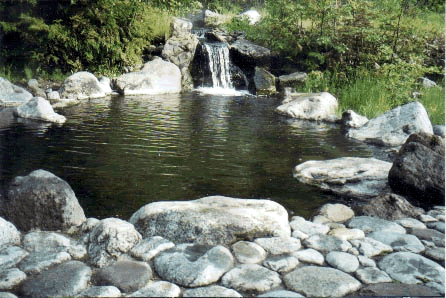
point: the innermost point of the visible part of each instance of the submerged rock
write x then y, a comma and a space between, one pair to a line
212, 220
394, 127
43, 200
349, 176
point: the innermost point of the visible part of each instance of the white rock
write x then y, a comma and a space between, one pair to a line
347, 234
150, 247
372, 275
307, 227
366, 262
12, 95
211, 291
351, 119
342, 261
279, 245
252, 15
398, 241
8, 233
10, 256
158, 289
38, 108
281, 263
38, 262
101, 291
411, 223
104, 83
309, 256
370, 224
45, 242
325, 243
371, 247
81, 85
312, 106
248, 252
10, 278
336, 212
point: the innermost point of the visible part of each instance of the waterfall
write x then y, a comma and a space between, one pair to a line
218, 55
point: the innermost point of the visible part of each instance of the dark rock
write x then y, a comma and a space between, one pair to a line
388, 206
292, 79
43, 200
67, 279
248, 54
264, 81
418, 171
128, 276
429, 235
395, 289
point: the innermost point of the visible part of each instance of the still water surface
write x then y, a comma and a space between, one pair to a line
121, 153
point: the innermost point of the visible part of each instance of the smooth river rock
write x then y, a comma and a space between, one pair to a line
321, 282
212, 220
398, 241
370, 224
158, 289
211, 291
395, 126
44, 201
38, 108
348, 176
251, 278
10, 256
81, 85
12, 95
247, 252
311, 106
193, 265
9, 235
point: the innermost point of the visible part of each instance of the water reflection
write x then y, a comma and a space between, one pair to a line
123, 153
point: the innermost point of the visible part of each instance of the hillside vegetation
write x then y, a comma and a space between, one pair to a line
369, 54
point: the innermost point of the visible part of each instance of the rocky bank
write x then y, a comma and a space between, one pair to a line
215, 246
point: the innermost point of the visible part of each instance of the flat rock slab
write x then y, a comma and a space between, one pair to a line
299, 223
10, 256
429, 235
211, 291
370, 224
399, 242
8, 233
411, 223
370, 247
281, 263
251, 278
439, 226
435, 253
46, 242
326, 244
372, 275
247, 252
410, 268
193, 265
158, 289
281, 293
393, 289
348, 176
148, 248
321, 282
67, 279
101, 291
395, 126
279, 245
38, 261
347, 234
343, 261
10, 278
212, 220
128, 276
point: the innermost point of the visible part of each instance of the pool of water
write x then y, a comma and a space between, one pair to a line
121, 153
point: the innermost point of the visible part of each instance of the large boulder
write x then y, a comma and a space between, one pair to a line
9, 235
244, 52
309, 106
418, 171
12, 95
179, 26
42, 200
265, 82
212, 220
156, 77
388, 206
252, 15
394, 127
180, 50
38, 108
348, 176
81, 85
109, 239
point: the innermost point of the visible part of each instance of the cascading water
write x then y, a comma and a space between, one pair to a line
218, 55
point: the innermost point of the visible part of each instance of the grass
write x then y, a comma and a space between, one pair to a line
15, 75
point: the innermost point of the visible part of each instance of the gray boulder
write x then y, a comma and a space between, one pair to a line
394, 127
370, 247
348, 176
7, 118
351, 119
309, 106
37, 262
11, 278
321, 282
193, 265
418, 171
67, 279
309, 255
111, 238
388, 206
212, 220
264, 81
343, 261
46, 242
336, 212
9, 235
43, 200
439, 226
157, 77
12, 95
245, 51
101, 291
436, 253
280, 293
299, 223
127, 276
211, 291
429, 235
279, 245
158, 289
411, 223
292, 79
33, 85
251, 278
180, 50
81, 85
38, 108
10, 256
411, 268
398, 241
105, 84
370, 224
326, 244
